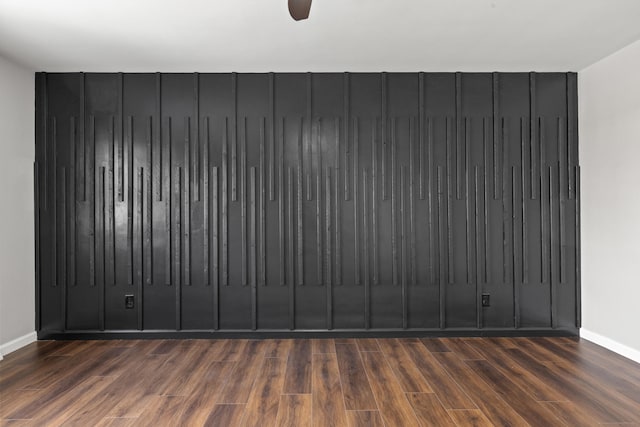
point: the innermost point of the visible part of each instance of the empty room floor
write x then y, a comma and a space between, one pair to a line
320, 382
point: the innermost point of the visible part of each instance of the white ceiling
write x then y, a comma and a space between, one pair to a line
340, 35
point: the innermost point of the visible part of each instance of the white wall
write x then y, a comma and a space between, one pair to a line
17, 288
609, 115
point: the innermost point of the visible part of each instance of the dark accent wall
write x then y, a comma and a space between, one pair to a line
381, 201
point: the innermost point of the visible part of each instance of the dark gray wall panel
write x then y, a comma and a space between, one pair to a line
307, 201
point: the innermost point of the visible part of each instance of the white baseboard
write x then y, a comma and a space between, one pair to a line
608, 343
18, 343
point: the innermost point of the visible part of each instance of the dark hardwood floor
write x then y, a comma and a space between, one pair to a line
330, 382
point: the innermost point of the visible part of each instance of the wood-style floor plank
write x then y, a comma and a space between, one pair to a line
56, 412
226, 414
368, 344
294, 410
301, 382
405, 370
570, 414
595, 409
298, 375
262, 405
117, 422
206, 394
392, 403
364, 419
620, 380
327, 406
516, 373
447, 390
518, 398
435, 345
469, 418
278, 348
355, 385
494, 408
460, 347
162, 411
429, 410
323, 346
247, 369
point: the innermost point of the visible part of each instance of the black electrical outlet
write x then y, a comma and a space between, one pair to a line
486, 300
129, 302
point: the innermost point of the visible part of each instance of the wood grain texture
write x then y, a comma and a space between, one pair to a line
364, 419
469, 418
294, 410
356, 388
263, 402
496, 409
404, 369
323, 346
298, 375
301, 382
442, 384
327, 393
429, 410
393, 405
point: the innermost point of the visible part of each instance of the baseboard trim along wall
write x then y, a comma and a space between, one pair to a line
608, 343
17, 343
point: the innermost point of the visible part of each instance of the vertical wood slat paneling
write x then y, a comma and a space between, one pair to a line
403, 246
365, 238
290, 262
478, 268
374, 201
167, 189
300, 224
129, 196
206, 171
496, 134
243, 202
515, 280
394, 225
92, 199
467, 155
272, 139
253, 247
147, 236
338, 205
441, 266
125, 160
263, 220
346, 120
111, 211
281, 212
356, 200
328, 247
578, 282
73, 194
421, 117
215, 200
505, 200
533, 135
524, 233
412, 221
449, 224
187, 197
485, 199
430, 166
459, 123
224, 210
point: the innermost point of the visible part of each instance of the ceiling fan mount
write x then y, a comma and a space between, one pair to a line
299, 9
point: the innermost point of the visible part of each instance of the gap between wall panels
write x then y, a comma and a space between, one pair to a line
312, 201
